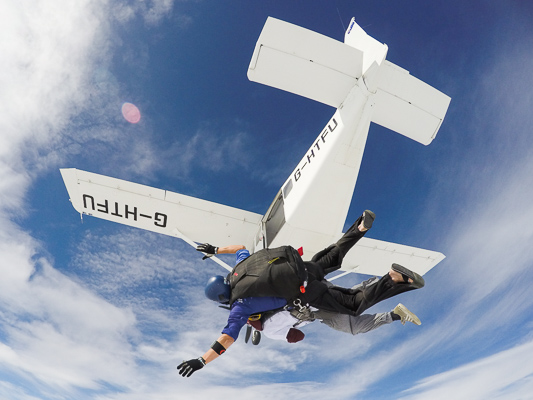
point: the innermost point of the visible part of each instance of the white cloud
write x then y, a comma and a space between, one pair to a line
45, 48
211, 149
45, 63
56, 335
505, 375
152, 11
58, 97
54, 330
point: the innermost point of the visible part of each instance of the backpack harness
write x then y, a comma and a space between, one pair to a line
278, 272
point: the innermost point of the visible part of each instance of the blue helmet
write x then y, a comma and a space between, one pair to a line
218, 290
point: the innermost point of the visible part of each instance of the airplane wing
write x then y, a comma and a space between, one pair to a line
159, 210
375, 257
198, 220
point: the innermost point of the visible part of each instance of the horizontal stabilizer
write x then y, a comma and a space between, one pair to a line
375, 257
159, 210
304, 62
407, 105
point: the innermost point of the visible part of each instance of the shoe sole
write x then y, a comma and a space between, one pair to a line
401, 308
368, 219
418, 281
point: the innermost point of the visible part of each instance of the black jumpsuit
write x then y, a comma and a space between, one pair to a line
324, 296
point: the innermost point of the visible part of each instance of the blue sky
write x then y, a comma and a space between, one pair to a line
103, 311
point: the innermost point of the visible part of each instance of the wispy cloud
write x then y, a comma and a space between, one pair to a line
504, 375
152, 11
212, 148
54, 330
56, 334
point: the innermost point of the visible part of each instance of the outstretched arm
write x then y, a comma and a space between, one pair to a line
187, 368
225, 341
211, 250
230, 249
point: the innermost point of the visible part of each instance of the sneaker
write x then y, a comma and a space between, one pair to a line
406, 315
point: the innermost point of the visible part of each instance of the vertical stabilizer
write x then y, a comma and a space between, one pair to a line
373, 50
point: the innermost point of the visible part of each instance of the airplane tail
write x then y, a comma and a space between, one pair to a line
309, 64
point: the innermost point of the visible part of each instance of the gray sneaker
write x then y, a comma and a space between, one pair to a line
406, 315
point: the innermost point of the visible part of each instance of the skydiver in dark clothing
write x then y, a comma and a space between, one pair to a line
324, 296
317, 294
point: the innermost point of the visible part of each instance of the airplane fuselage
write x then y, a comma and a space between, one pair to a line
313, 203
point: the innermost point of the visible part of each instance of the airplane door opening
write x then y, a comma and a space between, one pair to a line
275, 220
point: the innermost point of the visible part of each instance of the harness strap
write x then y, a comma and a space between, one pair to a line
301, 311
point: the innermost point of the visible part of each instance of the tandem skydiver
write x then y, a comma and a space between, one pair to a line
298, 283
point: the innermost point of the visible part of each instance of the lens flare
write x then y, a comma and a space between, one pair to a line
131, 113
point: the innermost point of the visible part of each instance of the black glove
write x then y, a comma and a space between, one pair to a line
208, 249
187, 368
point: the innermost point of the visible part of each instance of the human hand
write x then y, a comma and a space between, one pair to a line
208, 249
187, 368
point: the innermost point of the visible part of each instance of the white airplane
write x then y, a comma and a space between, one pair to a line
311, 207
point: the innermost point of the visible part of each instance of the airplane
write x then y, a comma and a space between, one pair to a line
310, 209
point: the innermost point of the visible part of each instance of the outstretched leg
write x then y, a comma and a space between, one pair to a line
398, 280
330, 259
353, 325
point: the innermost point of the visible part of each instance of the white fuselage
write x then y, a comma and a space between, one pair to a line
317, 195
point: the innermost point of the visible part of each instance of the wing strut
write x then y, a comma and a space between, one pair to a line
340, 275
180, 235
